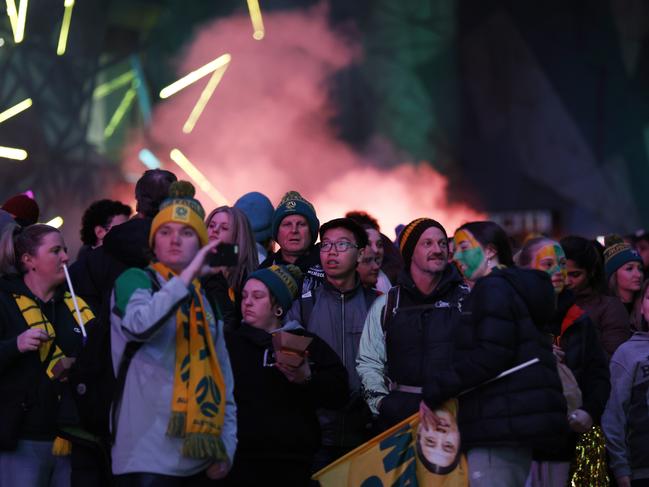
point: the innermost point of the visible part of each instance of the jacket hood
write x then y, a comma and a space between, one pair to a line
262, 338
14, 284
451, 278
129, 242
640, 336
535, 288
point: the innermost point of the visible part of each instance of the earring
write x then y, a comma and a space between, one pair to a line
279, 312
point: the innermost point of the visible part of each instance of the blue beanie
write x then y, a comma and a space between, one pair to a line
281, 281
294, 204
617, 253
259, 210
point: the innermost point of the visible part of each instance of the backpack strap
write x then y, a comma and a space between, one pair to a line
129, 352
391, 306
307, 302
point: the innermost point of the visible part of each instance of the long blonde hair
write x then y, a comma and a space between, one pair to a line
243, 237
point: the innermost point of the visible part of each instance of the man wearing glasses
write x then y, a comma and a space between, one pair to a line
336, 312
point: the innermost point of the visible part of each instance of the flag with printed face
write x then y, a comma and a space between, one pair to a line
406, 454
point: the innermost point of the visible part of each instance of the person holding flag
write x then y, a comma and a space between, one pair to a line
501, 421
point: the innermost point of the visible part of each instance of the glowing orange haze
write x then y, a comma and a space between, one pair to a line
266, 127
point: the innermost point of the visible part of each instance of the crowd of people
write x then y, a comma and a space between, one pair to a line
253, 345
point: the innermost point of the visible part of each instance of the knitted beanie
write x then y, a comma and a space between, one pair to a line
23, 208
617, 253
180, 207
259, 211
282, 282
294, 204
410, 234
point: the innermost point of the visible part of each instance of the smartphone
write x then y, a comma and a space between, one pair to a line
227, 255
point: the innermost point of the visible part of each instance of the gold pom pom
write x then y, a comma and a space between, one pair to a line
610, 240
181, 189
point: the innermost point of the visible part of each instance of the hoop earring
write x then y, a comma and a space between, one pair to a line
279, 312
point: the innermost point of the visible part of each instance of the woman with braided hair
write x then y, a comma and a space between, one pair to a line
39, 336
175, 423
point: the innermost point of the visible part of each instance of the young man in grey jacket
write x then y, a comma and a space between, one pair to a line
336, 312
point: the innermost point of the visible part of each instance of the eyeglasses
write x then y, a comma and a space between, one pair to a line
340, 245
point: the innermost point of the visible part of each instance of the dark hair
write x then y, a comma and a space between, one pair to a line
637, 319
360, 235
490, 233
586, 256
364, 219
151, 190
432, 467
100, 213
17, 241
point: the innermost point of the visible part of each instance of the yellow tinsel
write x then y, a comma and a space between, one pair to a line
589, 466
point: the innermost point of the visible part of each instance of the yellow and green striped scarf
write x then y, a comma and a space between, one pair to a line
198, 403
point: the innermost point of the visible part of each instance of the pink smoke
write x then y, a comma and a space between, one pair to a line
266, 127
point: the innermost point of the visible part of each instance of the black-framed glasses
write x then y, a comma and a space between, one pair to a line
340, 246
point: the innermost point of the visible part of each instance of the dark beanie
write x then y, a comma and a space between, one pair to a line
294, 204
617, 253
410, 234
23, 208
282, 282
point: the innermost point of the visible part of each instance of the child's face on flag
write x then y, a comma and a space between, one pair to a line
441, 445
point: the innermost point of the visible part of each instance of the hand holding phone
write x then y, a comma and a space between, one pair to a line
226, 255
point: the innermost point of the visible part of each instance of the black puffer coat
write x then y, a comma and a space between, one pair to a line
502, 327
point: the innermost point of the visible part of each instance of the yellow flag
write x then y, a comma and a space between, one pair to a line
406, 454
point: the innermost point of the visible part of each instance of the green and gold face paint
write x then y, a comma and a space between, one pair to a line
551, 259
469, 254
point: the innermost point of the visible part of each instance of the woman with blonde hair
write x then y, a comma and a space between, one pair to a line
229, 225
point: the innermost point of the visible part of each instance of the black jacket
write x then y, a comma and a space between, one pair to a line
419, 337
23, 381
502, 327
276, 419
585, 357
217, 291
309, 263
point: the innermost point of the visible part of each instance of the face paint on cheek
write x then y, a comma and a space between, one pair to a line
470, 259
555, 252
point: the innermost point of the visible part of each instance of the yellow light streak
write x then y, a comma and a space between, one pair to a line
15, 110
56, 222
207, 93
257, 21
195, 75
12, 153
12, 13
198, 177
121, 110
20, 23
112, 85
65, 27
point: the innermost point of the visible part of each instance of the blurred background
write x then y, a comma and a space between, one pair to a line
534, 114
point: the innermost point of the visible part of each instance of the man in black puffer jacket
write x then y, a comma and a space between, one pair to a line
503, 421
409, 333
